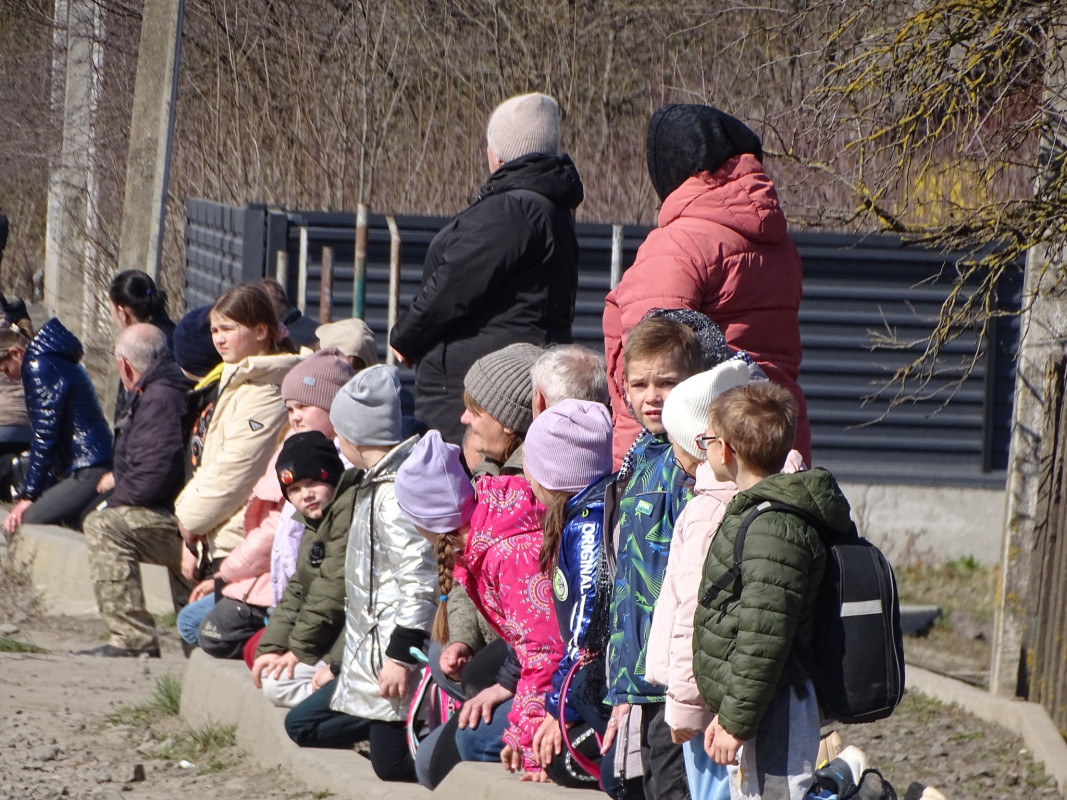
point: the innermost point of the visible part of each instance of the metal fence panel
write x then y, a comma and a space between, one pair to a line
855, 289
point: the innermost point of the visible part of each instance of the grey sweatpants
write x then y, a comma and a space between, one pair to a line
779, 761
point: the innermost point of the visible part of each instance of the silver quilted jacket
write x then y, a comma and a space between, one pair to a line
390, 580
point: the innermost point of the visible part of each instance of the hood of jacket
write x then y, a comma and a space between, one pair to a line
738, 196
385, 470
554, 177
506, 508
54, 339
686, 139
706, 483
257, 369
165, 372
814, 491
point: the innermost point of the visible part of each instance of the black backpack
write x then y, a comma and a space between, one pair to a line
856, 661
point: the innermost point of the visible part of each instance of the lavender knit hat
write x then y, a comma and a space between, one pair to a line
569, 445
524, 124
317, 379
432, 489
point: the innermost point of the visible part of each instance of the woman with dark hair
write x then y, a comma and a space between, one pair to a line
244, 428
71, 445
134, 297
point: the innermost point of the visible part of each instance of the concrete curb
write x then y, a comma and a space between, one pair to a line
216, 691
1028, 720
58, 563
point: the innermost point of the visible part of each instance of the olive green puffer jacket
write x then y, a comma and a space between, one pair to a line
742, 642
309, 620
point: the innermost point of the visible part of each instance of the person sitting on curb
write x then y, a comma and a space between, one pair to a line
71, 447
306, 628
137, 524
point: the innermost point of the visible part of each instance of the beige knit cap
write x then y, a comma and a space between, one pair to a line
353, 337
524, 124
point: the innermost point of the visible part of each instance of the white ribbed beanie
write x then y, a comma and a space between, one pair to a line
527, 123
685, 411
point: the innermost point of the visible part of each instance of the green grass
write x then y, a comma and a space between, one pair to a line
196, 742
165, 702
166, 620
8, 645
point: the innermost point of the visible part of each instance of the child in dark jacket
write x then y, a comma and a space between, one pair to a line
766, 723
567, 460
306, 628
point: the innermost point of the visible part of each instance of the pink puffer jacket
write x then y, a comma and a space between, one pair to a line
722, 248
500, 571
670, 639
246, 569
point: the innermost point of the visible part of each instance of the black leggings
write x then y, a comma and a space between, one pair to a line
314, 724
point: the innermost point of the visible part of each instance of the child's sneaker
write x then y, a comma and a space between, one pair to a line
915, 791
843, 774
856, 759
930, 793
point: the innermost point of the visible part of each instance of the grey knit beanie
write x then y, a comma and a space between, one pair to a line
317, 379
500, 383
366, 412
524, 124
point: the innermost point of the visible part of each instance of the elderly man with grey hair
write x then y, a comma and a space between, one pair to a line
568, 372
136, 524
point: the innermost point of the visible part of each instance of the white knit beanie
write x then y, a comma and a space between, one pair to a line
685, 411
527, 123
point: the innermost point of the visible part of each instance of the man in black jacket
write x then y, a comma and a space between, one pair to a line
137, 525
504, 270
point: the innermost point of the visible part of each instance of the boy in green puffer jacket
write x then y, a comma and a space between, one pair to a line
766, 726
306, 629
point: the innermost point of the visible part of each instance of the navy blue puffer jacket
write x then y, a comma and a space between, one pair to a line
69, 429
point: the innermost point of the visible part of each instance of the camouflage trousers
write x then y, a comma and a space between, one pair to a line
120, 539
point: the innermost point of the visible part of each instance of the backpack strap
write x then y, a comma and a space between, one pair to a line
733, 574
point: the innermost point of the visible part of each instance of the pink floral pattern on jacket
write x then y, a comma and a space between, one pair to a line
499, 569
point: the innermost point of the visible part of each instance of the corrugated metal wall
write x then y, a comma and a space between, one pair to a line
855, 289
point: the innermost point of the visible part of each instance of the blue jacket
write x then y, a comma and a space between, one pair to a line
574, 580
69, 429
649, 505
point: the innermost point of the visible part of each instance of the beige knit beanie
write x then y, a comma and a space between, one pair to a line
524, 124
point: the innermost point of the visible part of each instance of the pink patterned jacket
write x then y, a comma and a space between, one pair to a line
499, 569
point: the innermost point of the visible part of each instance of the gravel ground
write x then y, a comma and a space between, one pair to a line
80, 727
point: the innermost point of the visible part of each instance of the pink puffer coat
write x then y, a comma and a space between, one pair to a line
722, 248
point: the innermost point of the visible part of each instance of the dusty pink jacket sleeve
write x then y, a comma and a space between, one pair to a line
246, 569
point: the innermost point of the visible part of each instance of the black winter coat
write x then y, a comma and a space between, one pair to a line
504, 270
69, 429
149, 440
